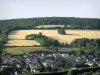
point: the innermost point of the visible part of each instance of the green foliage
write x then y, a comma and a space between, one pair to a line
29, 73
0, 31
7, 26
95, 65
43, 40
80, 65
80, 71
97, 73
70, 72
97, 53
61, 31
3, 40
6, 71
86, 73
90, 45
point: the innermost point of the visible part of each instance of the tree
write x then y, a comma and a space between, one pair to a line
43, 40
80, 65
89, 45
0, 56
61, 31
40, 34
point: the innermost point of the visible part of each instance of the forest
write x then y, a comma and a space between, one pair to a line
30, 23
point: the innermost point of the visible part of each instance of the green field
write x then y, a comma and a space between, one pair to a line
20, 50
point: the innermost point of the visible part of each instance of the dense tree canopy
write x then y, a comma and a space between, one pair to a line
91, 45
3, 40
70, 23
61, 31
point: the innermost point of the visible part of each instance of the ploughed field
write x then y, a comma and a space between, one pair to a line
17, 38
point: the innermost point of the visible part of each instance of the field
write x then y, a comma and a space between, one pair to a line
49, 26
17, 38
20, 50
19, 42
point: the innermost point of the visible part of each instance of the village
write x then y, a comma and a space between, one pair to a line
46, 61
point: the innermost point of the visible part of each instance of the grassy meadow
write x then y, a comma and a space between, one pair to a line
21, 50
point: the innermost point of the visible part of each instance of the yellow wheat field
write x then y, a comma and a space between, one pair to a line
22, 43
18, 37
50, 26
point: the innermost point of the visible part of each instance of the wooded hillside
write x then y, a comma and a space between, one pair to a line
29, 23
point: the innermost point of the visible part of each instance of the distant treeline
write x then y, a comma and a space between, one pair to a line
29, 23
